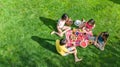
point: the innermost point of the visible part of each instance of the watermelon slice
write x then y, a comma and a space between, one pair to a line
83, 44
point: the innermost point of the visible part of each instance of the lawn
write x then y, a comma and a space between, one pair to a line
25, 27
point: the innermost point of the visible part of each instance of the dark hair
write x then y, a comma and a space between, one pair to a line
64, 16
62, 41
91, 21
106, 34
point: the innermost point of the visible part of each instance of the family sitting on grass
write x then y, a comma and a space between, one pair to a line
80, 36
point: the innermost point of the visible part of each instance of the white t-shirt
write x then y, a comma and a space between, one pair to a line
61, 23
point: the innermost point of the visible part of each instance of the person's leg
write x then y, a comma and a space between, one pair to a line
59, 33
82, 25
75, 55
101, 47
96, 44
65, 28
74, 51
90, 33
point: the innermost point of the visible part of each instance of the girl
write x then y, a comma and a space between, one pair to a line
88, 26
61, 26
100, 40
63, 50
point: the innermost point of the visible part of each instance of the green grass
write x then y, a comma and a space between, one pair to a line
25, 27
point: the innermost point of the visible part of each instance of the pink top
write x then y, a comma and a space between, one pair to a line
61, 23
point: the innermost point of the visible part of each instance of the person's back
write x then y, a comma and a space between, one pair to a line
61, 26
61, 49
88, 26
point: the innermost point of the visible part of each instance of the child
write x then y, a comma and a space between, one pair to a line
63, 50
100, 40
88, 26
61, 25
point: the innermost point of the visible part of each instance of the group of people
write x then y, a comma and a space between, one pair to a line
77, 36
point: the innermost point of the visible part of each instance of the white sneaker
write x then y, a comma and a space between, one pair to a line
52, 32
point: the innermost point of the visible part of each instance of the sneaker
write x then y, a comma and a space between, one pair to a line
52, 32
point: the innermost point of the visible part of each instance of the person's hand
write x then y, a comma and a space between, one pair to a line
95, 43
83, 20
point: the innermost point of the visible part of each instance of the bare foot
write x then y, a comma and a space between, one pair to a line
52, 32
77, 60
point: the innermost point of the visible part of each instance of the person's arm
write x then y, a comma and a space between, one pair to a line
66, 50
82, 25
84, 30
95, 43
104, 44
58, 22
93, 26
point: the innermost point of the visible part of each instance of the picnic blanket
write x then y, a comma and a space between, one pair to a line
81, 38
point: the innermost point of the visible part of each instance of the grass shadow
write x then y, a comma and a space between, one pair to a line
50, 63
43, 42
111, 58
49, 22
116, 1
